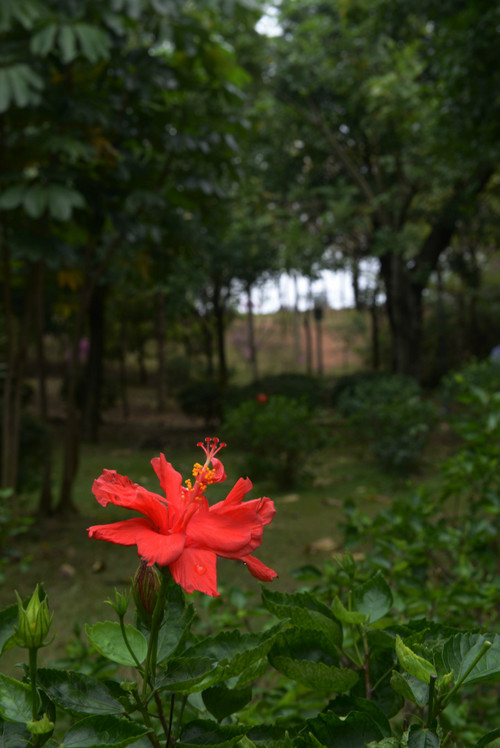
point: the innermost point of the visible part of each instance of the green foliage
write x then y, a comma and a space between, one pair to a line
276, 436
390, 413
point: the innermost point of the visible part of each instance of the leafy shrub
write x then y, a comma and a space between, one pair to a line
202, 399
276, 435
390, 413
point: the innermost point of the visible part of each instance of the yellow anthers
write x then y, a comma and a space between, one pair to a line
188, 483
197, 468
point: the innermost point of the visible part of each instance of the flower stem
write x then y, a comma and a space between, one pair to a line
150, 666
33, 652
127, 644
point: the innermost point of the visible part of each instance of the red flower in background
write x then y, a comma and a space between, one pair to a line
182, 531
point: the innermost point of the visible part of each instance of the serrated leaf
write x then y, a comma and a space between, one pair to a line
13, 735
222, 701
102, 731
207, 732
304, 611
374, 598
189, 674
15, 700
412, 663
460, 651
357, 729
410, 688
78, 693
421, 737
315, 675
176, 622
107, 638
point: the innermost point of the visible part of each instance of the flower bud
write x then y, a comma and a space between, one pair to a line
34, 621
145, 587
120, 603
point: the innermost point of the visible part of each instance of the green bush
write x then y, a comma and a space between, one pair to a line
276, 436
390, 413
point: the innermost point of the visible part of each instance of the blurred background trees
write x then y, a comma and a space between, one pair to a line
161, 159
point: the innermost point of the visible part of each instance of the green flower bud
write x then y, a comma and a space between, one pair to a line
145, 587
120, 603
40, 726
33, 622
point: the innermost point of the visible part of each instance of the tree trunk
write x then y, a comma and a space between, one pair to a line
160, 340
220, 333
251, 337
45, 500
94, 365
13, 380
404, 309
122, 359
296, 320
308, 340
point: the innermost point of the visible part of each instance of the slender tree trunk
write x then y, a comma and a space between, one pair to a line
45, 500
94, 364
160, 340
296, 320
375, 332
122, 362
15, 360
308, 342
251, 337
220, 332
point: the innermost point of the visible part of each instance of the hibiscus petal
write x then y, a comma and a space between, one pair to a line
238, 492
160, 549
196, 569
221, 533
121, 533
111, 487
219, 472
258, 569
170, 480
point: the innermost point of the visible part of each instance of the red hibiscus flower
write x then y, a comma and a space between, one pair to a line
182, 531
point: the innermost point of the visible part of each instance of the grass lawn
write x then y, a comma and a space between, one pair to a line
80, 574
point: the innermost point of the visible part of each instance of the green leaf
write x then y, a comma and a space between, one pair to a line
222, 701
67, 43
412, 663
421, 737
13, 196
107, 638
8, 622
189, 674
62, 200
102, 731
410, 688
357, 729
78, 693
208, 732
460, 651
374, 598
304, 611
15, 700
5, 91
13, 735
488, 738
42, 42
347, 616
315, 675
94, 42
35, 200
176, 622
